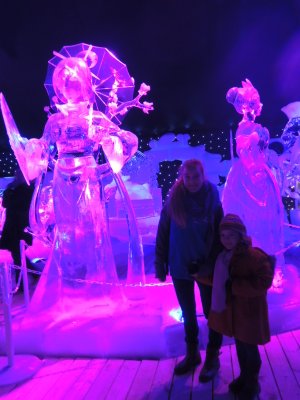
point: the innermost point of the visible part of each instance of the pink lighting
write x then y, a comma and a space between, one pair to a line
80, 298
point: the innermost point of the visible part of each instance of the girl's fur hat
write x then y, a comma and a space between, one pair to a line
233, 222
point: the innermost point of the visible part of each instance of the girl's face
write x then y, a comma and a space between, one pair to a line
192, 179
229, 238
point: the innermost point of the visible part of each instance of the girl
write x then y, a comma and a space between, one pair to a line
242, 276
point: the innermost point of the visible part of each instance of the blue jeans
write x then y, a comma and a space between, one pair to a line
186, 298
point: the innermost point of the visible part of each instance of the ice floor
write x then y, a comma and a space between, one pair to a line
138, 324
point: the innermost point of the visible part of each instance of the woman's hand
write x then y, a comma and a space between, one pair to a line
161, 278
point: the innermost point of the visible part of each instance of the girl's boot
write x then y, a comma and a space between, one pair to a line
190, 361
211, 365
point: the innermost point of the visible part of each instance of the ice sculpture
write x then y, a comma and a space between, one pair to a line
251, 189
90, 90
291, 156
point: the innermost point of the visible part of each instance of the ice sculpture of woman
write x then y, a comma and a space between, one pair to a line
251, 190
81, 249
291, 157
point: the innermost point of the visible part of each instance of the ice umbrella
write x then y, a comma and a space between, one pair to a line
111, 81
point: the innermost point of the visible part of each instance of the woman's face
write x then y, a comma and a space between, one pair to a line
229, 238
192, 179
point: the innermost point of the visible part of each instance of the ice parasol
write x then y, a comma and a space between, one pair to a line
111, 81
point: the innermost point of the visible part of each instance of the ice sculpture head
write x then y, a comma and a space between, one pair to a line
245, 100
72, 81
251, 138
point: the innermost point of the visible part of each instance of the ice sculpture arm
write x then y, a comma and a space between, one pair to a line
17, 142
119, 148
295, 153
129, 143
122, 109
118, 145
31, 154
37, 156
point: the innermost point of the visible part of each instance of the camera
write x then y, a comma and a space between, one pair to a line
193, 267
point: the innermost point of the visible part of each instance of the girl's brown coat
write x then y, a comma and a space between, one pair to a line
246, 314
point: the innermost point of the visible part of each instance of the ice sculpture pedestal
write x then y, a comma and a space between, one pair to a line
13, 369
23, 368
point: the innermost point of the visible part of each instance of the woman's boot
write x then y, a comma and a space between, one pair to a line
237, 385
190, 361
211, 365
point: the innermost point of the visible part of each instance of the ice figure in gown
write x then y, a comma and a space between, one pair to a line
291, 157
81, 248
251, 190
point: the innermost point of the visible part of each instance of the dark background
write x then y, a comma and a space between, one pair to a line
190, 52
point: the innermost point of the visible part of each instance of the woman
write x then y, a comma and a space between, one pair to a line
187, 236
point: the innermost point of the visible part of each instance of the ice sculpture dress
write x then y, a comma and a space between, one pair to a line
251, 191
81, 259
81, 248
